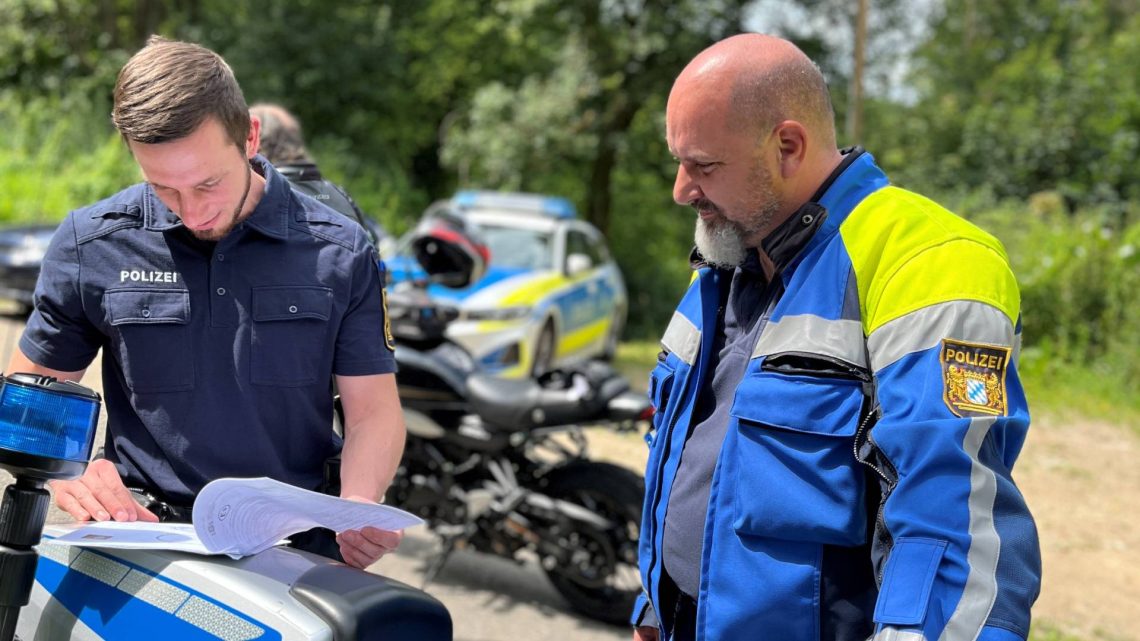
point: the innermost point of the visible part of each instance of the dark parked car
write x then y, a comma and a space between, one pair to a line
22, 251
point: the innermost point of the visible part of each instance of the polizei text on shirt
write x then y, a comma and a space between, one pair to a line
147, 276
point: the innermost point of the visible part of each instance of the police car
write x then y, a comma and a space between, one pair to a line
551, 294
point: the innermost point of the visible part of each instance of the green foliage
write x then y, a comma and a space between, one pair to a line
1022, 97
53, 159
1020, 113
1079, 276
516, 137
572, 120
650, 235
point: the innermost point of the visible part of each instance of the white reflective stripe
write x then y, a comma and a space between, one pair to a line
1016, 356
894, 634
682, 338
981, 583
962, 320
842, 339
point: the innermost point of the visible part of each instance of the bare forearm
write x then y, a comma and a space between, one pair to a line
373, 435
370, 457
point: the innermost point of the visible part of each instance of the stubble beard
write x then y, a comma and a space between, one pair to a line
217, 233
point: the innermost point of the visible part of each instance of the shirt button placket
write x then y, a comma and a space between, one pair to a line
222, 304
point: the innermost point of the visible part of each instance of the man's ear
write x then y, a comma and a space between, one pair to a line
253, 140
791, 141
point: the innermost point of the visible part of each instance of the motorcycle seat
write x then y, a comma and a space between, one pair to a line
560, 397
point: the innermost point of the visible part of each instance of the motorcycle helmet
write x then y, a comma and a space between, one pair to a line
449, 247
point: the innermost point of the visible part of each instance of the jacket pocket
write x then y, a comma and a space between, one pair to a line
660, 389
907, 581
797, 477
151, 338
290, 330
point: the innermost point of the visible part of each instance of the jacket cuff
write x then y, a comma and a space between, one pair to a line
643, 614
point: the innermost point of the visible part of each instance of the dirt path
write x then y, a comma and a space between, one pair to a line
1082, 482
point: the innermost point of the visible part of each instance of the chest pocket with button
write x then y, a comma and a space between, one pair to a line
798, 478
290, 335
151, 338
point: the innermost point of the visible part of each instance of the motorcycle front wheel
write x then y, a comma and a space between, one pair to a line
601, 579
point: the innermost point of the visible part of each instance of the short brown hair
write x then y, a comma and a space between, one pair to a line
168, 88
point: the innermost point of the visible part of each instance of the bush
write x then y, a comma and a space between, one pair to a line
1079, 275
57, 155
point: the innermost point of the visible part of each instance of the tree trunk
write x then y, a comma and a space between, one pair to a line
855, 97
618, 118
601, 181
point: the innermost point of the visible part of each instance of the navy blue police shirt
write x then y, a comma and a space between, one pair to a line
217, 357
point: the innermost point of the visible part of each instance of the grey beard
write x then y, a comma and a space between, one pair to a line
721, 244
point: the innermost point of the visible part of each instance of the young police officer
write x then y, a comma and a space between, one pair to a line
224, 305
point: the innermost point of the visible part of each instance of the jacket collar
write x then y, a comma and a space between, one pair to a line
853, 180
850, 182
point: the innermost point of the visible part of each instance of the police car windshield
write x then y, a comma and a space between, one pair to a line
512, 247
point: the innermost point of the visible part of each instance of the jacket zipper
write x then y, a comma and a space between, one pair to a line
667, 432
844, 369
880, 519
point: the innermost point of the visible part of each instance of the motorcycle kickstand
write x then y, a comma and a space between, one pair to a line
448, 542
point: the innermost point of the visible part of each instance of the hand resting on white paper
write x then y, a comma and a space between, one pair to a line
239, 517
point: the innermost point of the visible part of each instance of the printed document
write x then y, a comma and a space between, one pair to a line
239, 517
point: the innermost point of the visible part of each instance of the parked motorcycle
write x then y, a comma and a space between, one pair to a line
501, 466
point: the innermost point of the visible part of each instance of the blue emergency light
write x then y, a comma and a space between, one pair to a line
47, 427
553, 206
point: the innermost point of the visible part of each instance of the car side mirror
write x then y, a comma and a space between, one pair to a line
577, 264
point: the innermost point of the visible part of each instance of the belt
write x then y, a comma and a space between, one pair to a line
165, 511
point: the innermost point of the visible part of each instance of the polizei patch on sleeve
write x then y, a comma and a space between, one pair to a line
973, 378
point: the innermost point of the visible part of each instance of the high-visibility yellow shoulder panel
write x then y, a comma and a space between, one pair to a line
908, 252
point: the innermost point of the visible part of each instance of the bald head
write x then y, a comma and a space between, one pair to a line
281, 139
765, 80
749, 121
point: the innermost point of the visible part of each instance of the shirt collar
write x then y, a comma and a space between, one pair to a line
270, 216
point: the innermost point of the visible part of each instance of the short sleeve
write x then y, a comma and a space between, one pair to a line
59, 333
361, 348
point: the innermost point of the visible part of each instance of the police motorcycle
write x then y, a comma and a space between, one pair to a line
53, 591
501, 466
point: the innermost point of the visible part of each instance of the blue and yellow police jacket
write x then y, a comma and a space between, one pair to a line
880, 414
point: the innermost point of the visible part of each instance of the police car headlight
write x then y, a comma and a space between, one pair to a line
498, 314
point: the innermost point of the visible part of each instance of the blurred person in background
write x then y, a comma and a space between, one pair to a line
283, 145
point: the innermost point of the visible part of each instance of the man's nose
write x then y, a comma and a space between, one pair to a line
685, 189
194, 209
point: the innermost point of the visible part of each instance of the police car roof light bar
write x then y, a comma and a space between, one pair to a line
47, 428
553, 206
